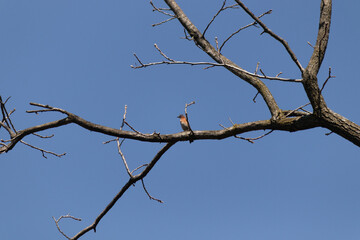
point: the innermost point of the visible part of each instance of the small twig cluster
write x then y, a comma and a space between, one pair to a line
9, 127
164, 11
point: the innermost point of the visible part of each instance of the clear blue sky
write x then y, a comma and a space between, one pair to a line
76, 55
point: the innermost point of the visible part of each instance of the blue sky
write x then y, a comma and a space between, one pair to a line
76, 55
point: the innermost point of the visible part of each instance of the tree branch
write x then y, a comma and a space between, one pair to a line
322, 38
271, 33
130, 182
171, 61
242, 28
219, 58
310, 81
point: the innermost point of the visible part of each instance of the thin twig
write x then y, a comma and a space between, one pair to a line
162, 10
223, 8
242, 28
254, 99
165, 21
251, 140
327, 79
43, 151
262, 72
134, 129
144, 165
6, 115
217, 44
131, 181
187, 119
123, 157
151, 197
138, 60
163, 54
40, 136
277, 75
172, 61
58, 220
292, 111
257, 68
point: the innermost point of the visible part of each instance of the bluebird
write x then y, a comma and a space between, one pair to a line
184, 123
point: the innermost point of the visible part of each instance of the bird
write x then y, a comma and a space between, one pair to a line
184, 123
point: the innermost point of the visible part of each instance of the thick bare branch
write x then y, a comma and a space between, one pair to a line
322, 38
293, 124
219, 58
310, 81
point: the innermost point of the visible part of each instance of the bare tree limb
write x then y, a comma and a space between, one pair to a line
147, 193
322, 38
242, 28
130, 182
61, 217
172, 61
223, 8
219, 58
43, 151
271, 33
310, 82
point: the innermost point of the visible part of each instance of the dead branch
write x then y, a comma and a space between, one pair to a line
271, 33
172, 61
147, 193
141, 166
251, 140
327, 79
43, 151
254, 99
294, 125
123, 157
223, 8
61, 217
162, 11
242, 28
130, 182
187, 119
165, 21
40, 136
6, 116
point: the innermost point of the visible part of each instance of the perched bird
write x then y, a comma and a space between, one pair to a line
184, 123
